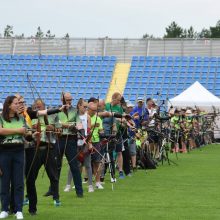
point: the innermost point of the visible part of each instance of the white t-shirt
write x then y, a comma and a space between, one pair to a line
83, 119
151, 111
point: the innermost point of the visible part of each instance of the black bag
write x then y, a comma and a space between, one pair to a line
144, 160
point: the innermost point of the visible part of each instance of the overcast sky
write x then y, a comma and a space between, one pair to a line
100, 18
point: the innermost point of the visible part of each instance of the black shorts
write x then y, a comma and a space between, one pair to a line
119, 145
97, 153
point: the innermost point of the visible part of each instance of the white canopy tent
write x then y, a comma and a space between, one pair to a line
196, 95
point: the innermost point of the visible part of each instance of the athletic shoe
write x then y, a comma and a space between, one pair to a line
26, 201
85, 180
129, 175
90, 189
57, 202
3, 214
19, 215
67, 188
79, 195
99, 186
48, 194
32, 213
121, 175
113, 180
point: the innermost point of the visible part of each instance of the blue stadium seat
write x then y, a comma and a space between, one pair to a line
192, 59
148, 58
135, 58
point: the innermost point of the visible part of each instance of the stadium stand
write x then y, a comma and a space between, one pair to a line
83, 76
164, 77
160, 77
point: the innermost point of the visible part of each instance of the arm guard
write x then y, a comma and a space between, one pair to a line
117, 115
52, 111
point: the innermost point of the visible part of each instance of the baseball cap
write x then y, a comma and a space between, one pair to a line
92, 99
140, 99
129, 104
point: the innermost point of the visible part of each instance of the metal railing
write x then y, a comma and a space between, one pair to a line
123, 49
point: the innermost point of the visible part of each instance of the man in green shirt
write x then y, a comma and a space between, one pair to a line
44, 154
114, 106
69, 122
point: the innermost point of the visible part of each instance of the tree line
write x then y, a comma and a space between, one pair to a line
176, 31
8, 32
171, 31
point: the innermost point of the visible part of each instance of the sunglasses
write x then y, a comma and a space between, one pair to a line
21, 102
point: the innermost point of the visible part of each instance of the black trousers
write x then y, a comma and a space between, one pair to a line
32, 169
69, 148
126, 158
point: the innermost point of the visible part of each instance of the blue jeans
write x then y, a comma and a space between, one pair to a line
12, 166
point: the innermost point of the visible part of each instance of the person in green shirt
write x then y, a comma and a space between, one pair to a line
45, 155
28, 113
114, 106
189, 122
96, 129
176, 131
68, 122
12, 131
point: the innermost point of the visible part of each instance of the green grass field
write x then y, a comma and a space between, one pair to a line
188, 191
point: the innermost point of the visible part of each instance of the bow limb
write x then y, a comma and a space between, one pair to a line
38, 137
64, 103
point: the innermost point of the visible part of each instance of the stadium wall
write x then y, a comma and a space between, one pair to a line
123, 49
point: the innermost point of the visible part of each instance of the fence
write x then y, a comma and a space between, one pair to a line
123, 49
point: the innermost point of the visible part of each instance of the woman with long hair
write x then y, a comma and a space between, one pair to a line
12, 131
85, 149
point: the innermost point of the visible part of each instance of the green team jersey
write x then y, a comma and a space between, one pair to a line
72, 119
175, 121
15, 138
189, 122
46, 137
95, 134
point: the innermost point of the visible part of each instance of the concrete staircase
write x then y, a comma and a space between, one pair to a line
119, 79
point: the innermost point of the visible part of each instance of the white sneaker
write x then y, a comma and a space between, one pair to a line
99, 186
67, 188
3, 214
19, 215
90, 189
113, 180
